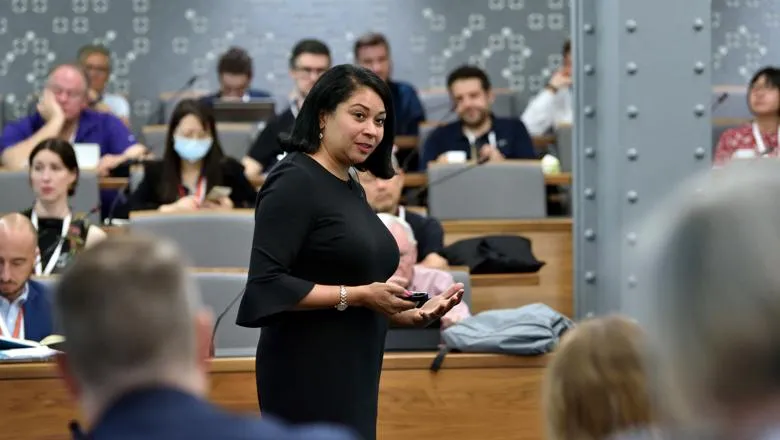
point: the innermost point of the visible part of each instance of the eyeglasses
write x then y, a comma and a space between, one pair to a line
71, 94
311, 70
94, 68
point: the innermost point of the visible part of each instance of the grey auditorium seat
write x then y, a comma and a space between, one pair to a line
503, 190
213, 239
218, 290
17, 195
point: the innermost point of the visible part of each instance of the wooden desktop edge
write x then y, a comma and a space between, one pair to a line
392, 361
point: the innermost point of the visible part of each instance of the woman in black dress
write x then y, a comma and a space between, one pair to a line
321, 258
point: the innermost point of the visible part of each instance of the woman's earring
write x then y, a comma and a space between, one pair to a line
320, 135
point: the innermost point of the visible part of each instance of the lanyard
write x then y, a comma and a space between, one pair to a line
759, 139
200, 190
57, 251
472, 139
17, 325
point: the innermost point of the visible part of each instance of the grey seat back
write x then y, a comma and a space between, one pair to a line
218, 290
236, 138
504, 105
438, 108
563, 144
17, 195
503, 190
154, 139
213, 239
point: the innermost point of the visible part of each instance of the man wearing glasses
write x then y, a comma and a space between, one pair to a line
96, 61
63, 112
308, 61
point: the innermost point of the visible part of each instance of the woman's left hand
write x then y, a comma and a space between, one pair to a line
437, 306
221, 203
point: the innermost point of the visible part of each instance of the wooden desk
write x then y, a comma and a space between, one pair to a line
114, 183
473, 396
551, 241
417, 179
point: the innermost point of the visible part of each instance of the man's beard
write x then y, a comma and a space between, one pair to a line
483, 115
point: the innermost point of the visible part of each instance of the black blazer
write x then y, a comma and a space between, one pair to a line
147, 196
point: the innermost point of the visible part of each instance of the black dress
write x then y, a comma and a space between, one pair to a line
50, 235
316, 365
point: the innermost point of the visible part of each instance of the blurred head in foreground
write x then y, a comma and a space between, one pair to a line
131, 319
712, 305
595, 386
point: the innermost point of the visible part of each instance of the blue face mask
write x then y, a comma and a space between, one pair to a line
191, 150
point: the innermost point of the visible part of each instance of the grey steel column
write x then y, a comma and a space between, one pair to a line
641, 125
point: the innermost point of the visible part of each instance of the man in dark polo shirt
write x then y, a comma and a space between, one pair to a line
384, 196
478, 133
309, 60
372, 51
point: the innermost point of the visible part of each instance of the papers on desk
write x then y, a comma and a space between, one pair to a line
38, 353
87, 155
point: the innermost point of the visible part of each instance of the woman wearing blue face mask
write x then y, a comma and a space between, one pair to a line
192, 165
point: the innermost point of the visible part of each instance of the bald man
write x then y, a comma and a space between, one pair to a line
25, 305
63, 112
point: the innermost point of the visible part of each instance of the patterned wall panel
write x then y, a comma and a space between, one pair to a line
159, 44
744, 39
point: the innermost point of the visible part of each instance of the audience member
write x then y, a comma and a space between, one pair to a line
384, 196
136, 357
235, 73
417, 278
710, 303
553, 105
192, 166
595, 385
372, 51
54, 175
308, 61
760, 137
63, 113
96, 61
25, 305
478, 133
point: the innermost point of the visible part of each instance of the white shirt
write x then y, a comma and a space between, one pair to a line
548, 110
118, 105
9, 311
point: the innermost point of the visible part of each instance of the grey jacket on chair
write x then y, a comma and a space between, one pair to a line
527, 331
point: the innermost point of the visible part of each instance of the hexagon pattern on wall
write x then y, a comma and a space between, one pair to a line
158, 44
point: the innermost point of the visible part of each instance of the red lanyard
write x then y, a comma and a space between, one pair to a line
17, 325
200, 189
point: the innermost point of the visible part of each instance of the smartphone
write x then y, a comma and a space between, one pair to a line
219, 192
419, 298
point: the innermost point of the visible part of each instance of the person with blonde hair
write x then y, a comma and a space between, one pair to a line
595, 386
712, 302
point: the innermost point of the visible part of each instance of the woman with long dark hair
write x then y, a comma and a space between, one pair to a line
321, 259
193, 164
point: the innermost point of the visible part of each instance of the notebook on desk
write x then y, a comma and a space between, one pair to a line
7, 343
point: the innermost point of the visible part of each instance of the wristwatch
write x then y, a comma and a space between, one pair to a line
342, 305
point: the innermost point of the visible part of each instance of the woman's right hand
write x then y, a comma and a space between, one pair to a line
385, 298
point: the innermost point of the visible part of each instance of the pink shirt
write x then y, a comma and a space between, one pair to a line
436, 282
741, 138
